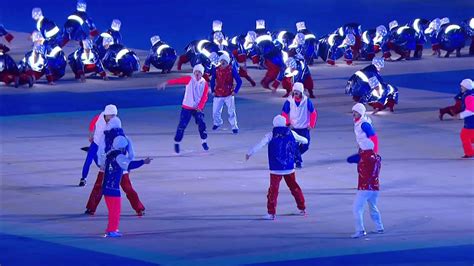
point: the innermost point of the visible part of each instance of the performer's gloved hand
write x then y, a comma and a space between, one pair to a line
145, 68
255, 59
241, 58
9, 37
376, 48
275, 84
355, 158
94, 32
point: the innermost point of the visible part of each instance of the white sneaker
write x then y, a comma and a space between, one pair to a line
269, 217
359, 234
302, 213
379, 231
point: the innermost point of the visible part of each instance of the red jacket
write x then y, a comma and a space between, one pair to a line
224, 81
369, 169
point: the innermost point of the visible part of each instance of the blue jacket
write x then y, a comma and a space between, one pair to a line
80, 29
76, 63
165, 59
126, 64
114, 172
281, 150
9, 65
303, 72
452, 39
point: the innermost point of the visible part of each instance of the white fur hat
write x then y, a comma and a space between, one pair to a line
467, 83
225, 57
279, 121
120, 142
298, 86
114, 123
110, 110
360, 108
199, 68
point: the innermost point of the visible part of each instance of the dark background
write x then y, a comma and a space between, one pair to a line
179, 21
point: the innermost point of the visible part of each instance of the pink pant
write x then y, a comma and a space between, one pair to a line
467, 138
113, 205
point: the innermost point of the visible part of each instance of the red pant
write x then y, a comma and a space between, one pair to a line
183, 59
244, 74
114, 206
467, 139
96, 193
7, 77
308, 84
295, 189
452, 110
272, 73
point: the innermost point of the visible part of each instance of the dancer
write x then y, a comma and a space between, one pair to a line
115, 164
194, 100
368, 167
281, 158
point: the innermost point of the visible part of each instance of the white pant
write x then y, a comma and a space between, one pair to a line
370, 197
217, 106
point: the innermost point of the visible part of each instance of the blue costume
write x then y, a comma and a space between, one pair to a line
84, 61
419, 25
332, 47
307, 49
296, 70
162, 56
468, 26
120, 60
8, 69
367, 86
452, 38
199, 52
402, 41
79, 25
44, 61
367, 50
356, 30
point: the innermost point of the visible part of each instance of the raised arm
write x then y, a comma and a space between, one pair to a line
264, 141
299, 138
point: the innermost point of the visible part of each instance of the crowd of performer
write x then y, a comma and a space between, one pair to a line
217, 61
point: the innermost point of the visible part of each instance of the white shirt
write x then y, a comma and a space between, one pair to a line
100, 126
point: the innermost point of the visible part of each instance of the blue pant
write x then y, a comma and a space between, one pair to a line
184, 121
302, 148
91, 156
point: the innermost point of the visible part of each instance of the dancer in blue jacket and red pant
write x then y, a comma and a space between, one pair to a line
281, 158
116, 163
